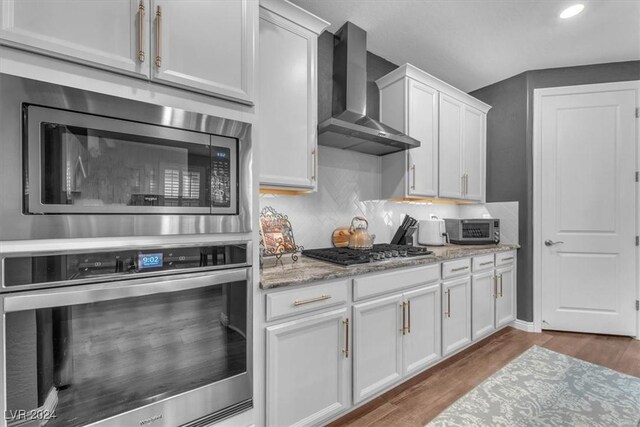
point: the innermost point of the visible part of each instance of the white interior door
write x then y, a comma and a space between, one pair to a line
587, 140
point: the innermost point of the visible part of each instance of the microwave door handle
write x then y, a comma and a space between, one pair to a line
110, 291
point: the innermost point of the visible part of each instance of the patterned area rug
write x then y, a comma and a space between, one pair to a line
545, 388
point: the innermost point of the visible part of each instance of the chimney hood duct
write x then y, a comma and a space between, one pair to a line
350, 128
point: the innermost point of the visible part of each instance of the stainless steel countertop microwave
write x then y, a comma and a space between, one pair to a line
82, 164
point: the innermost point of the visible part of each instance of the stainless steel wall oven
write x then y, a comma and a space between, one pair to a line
81, 164
154, 335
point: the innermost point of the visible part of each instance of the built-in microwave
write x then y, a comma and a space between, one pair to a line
83, 164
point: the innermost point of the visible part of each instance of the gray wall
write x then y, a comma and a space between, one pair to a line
507, 168
509, 147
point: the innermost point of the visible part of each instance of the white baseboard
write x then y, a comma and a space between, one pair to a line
522, 325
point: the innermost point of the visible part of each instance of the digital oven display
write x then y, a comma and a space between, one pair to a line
147, 261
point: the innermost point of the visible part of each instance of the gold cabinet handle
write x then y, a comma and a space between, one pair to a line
345, 322
408, 316
413, 172
466, 184
500, 285
462, 185
141, 31
403, 305
486, 263
314, 160
507, 258
310, 300
158, 37
459, 268
448, 312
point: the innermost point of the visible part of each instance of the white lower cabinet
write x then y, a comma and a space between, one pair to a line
483, 299
456, 314
408, 322
422, 340
493, 297
394, 337
506, 295
308, 369
377, 345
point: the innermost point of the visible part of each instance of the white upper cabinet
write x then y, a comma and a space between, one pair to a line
288, 67
462, 150
111, 34
451, 128
473, 153
451, 179
411, 107
205, 45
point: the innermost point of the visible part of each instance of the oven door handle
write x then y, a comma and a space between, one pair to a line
86, 294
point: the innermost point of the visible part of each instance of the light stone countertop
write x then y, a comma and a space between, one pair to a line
309, 270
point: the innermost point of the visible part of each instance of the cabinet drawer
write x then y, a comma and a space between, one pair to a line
456, 268
483, 262
365, 287
504, 258
297, 301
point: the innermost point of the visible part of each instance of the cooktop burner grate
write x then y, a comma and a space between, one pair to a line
380, 252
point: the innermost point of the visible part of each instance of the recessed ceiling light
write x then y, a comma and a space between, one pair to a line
572, 11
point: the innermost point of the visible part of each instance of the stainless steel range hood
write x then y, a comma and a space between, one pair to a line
350, 128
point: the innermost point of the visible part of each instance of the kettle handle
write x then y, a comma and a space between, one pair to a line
359, 218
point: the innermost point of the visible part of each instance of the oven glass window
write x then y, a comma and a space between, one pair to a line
88, 167
82, 363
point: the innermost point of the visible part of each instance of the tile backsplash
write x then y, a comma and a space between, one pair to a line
349, 185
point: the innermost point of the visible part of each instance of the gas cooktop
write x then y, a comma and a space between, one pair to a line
380, 252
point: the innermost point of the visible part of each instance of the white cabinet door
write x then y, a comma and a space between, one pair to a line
483, 304
422, 339
422, 124
473, 155
506, 301
307, 369
102, 33
456, 314
288, 103
450, 152
207, 46
377, 346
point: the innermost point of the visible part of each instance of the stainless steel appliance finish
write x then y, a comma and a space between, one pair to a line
483, 231
178, 346
22, 215
350, 128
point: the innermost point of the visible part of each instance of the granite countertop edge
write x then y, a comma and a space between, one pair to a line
310, 271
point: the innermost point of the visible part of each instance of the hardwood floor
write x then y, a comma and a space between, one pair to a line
423, 397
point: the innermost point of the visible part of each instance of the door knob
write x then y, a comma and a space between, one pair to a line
552, 243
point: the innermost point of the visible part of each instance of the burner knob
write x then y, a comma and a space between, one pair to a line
394, 253
402, 252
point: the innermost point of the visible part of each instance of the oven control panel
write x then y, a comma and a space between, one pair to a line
102, 266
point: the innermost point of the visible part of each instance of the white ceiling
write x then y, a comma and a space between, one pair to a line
473, 43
